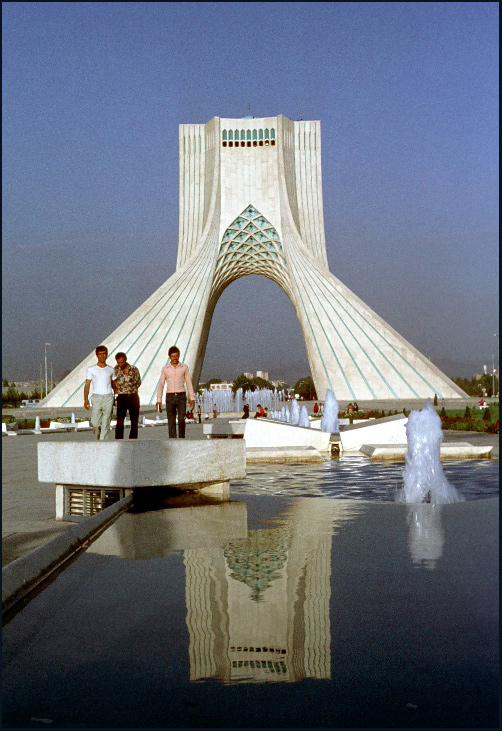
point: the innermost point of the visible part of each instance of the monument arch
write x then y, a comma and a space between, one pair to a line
251, 203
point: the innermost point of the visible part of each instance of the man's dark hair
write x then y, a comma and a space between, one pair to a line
120, 355
173, 349
100, 349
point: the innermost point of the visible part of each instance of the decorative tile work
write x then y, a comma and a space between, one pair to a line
250, 246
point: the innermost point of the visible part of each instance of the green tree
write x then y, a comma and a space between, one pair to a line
475, 386
263, 383
5, 383
469, 386
245, 383
306, 388
11, 397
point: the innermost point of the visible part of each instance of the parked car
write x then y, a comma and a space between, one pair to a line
30, 402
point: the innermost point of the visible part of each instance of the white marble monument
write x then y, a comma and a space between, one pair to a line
251, 203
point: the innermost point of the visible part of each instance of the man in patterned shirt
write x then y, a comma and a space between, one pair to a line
127, 382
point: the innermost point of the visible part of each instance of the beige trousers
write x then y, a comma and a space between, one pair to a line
101, 414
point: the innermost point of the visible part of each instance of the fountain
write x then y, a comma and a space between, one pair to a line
329, 421
295, 412
238, 402
72, 418
37, 425
227, 403
304, 417
424, 479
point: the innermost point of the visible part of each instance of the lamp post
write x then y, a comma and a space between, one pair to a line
45, 350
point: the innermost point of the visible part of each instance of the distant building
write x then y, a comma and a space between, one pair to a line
262, 374
249, 376
220, 386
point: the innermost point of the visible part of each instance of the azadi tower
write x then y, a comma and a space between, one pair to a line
251, 203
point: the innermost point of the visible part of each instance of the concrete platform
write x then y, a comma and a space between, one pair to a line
387, 430
283, 454
266, 433
134, 463
455, 450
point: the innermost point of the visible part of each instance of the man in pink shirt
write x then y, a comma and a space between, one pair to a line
176, 376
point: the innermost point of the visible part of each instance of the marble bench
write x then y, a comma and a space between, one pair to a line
135, 464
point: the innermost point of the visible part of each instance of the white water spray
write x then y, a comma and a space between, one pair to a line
304, 417
329, 421
295, 412
424, 479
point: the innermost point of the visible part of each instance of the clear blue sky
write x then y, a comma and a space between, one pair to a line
93, 93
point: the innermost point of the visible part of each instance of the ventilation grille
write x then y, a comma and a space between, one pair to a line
84, 502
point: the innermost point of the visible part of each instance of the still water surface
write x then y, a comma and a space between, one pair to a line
287, 606
356, 477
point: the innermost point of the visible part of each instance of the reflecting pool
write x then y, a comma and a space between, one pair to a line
266, 611
356, 477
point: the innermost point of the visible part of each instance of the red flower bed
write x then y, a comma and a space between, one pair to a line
468, 423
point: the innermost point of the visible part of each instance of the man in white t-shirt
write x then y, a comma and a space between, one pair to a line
103, 394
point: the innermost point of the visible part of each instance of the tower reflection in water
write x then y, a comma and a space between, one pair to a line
257, 601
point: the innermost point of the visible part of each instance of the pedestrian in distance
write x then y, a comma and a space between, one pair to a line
199, 414
127, 382
100, 376
176, 377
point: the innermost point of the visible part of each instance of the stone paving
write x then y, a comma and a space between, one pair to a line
28, 515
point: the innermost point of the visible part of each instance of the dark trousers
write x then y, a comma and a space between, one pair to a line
176, 402
127, 402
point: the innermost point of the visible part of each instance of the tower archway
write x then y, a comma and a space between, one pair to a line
251, 203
